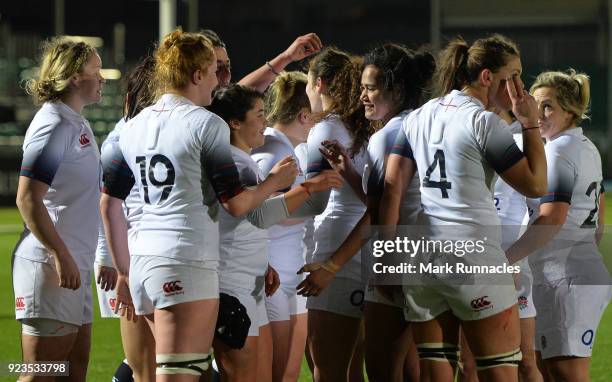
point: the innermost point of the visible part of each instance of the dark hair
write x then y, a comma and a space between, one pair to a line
460, 64
403, 72
140, 90
213, 37
341, 73
232, 103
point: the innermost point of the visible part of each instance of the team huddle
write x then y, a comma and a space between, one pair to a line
229, 227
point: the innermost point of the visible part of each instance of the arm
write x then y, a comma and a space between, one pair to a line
528, 175
276, 209
398, 175
601, 218
552, 217
301, 48
118, 182
30, 193
106, 273
339, 159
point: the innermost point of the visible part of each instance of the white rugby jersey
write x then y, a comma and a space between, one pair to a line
243, 249
344, 209
178, 155
60, 150
379, 148
511, 205
574, 177
301, 153
457, 146
285, 248
132, 206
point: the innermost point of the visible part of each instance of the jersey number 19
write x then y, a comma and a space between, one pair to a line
165, 184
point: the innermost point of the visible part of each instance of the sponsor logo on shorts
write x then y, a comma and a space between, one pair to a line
481, 303
587, 337
172, 288
543, 342
20, 303
112, 302
523, 303
84, 140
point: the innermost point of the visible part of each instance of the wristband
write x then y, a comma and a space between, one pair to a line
329, 266
271, 68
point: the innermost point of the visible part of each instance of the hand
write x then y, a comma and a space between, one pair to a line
337, 156
284, 172
124, 305
315, 282
67, 271
524, 106
272, 281
303, 47
325, 180
107, 278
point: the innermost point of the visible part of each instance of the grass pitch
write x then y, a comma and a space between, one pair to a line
106, 351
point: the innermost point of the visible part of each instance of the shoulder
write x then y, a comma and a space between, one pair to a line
330, 125
48, 120
273, 146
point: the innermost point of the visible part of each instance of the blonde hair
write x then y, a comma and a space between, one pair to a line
573, 91
286, 97
61, 59
179, 55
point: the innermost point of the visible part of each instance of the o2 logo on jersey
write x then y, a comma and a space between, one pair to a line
587, 337
157, 164
496, 200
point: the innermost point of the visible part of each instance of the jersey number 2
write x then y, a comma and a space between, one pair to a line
166, 184
442, 184
591, 220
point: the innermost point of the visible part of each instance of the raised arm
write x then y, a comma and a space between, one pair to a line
301, 48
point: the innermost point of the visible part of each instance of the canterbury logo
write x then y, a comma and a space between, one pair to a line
20, 303
84, 140
480, 303
172, 287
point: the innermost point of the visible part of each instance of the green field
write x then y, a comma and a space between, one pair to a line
106, 352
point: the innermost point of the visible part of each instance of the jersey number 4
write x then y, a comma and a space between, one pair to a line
165, 184
442, 184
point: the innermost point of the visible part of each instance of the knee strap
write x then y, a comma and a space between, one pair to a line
439, 351
183, 363
510, 359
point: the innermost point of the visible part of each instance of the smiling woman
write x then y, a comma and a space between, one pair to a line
58, 194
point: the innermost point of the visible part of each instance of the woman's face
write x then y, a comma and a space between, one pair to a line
314, 96
208, 82
378, 103
498, 93
251, 130
224, 69
552, 119
89, 81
